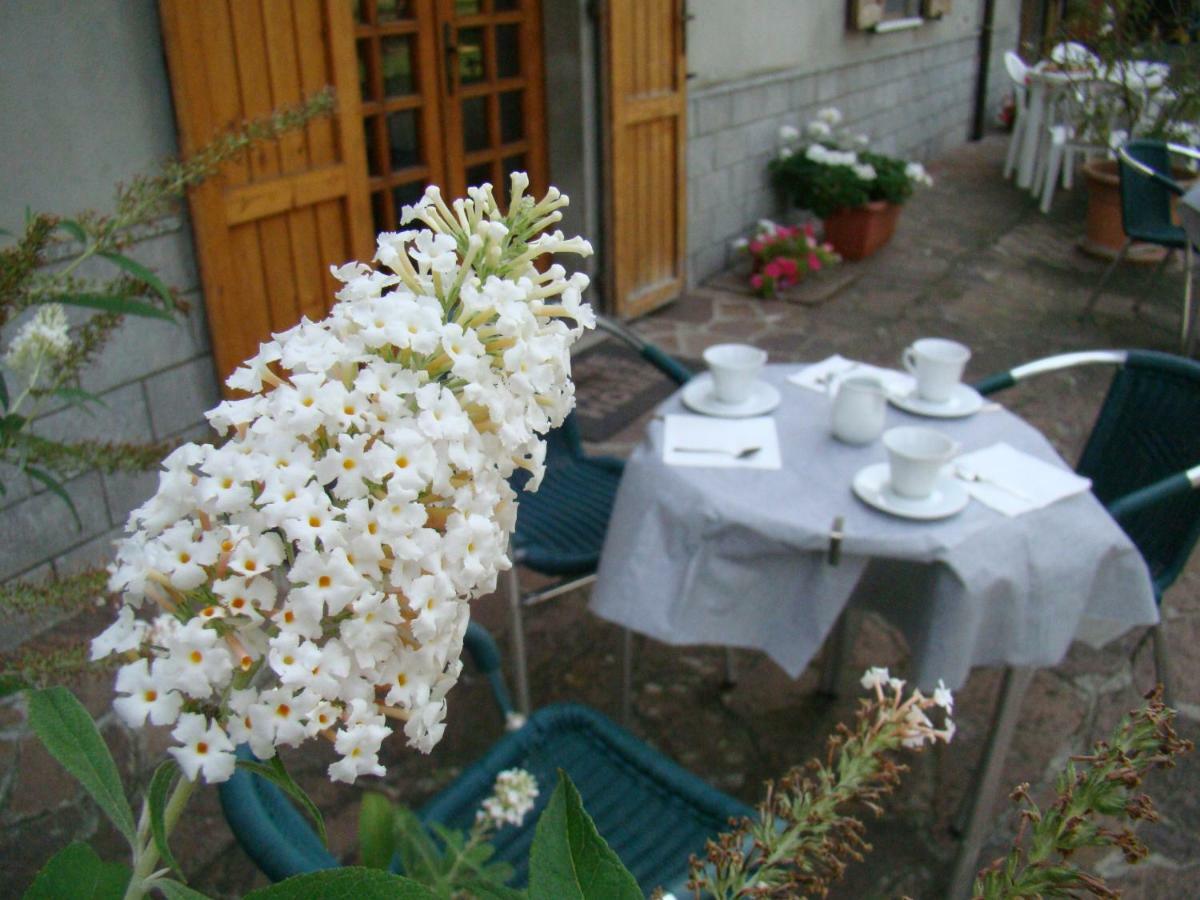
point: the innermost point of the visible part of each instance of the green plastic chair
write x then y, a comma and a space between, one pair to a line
1146, 193
1143, 456
561, 527
652, 812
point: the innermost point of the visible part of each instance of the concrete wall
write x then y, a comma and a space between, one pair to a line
767, 63
85, 103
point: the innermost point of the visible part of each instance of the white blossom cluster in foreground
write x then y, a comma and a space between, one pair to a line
311, 574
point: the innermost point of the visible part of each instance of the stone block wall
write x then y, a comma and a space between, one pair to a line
156, 380
917, 103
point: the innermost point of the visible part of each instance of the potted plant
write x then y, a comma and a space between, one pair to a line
1139, 51
858, 193
783, 254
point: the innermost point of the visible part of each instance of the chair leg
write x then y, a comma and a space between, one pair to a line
731, 676
1162, 670
626, 677
1150, 283
512, 587
1054, 165
1189, 299
1014, 144
1112, 267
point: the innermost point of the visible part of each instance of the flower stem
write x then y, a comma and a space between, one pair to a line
146, 857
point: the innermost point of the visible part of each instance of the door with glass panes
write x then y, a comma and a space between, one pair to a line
452, 94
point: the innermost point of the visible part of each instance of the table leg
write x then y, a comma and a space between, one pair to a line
987, 780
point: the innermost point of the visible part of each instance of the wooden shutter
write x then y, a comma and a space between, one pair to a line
268, 227
647, 143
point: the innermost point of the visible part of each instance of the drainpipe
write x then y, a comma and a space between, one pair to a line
985, 64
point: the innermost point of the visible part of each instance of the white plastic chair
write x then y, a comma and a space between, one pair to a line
1072, 53
1066, 138
1018, 71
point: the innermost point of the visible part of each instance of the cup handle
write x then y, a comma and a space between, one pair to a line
909, 359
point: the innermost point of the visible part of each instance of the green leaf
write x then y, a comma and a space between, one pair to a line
489, 890
419, 855
3, 392
376, 839
78, 396
74, 229
77, 872
569, 859
173, 890
275, 773
115, 303
346, 883
56, 487
143, 274
12, 423
156, 797
10, 684
69, 733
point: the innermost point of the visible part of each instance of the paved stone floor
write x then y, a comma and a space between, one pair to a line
972, 260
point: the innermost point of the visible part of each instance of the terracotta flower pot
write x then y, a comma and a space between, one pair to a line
857, 232
1103, 234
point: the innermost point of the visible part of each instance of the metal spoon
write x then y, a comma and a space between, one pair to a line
965, 474
744, 453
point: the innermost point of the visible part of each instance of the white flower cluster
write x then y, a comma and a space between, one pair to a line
831, 145
511, 800
312, 572
915, 727
44, 338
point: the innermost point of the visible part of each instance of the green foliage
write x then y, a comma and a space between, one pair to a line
569, 859
817, 187
161, 784
347, 883
173, 890
274, 772
77, 872
71, 737
376, 831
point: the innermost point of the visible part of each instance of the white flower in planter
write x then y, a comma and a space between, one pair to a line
312, 573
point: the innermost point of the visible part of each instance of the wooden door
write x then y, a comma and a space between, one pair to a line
270, 223
646, 153
452, 94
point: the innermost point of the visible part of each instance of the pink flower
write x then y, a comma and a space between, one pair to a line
814, 262
756, 281
788, 267
756, 246
774, 268
808, 229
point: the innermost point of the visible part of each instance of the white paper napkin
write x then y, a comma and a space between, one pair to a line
1013, 482
725, 438
824, 375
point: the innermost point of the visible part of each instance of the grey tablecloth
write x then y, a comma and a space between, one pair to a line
737, 557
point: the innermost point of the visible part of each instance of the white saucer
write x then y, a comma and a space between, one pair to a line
964, 401
698, 396
949, 495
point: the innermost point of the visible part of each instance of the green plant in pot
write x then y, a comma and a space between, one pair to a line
1141, 55
831, 172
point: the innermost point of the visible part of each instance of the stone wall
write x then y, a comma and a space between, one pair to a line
915, 102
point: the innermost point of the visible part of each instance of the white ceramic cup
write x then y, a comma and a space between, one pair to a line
734, 368
938, 365
859, 409
916, 456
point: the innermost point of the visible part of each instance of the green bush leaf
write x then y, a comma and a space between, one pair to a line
419, 855
275, 773
141, 273
78, 396
56, 488
376, 838
115, 303
347, 883
74, 229
10, 684
487, 890
69, 733
173, 890
11, 423
77, 872
569, 859
156, 796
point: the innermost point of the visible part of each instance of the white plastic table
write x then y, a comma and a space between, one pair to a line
738, 557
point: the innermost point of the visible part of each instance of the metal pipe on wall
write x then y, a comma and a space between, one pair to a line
985, 64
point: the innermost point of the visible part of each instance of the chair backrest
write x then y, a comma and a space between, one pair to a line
1072, 53
1145, 203
1148, 428
1017, 69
